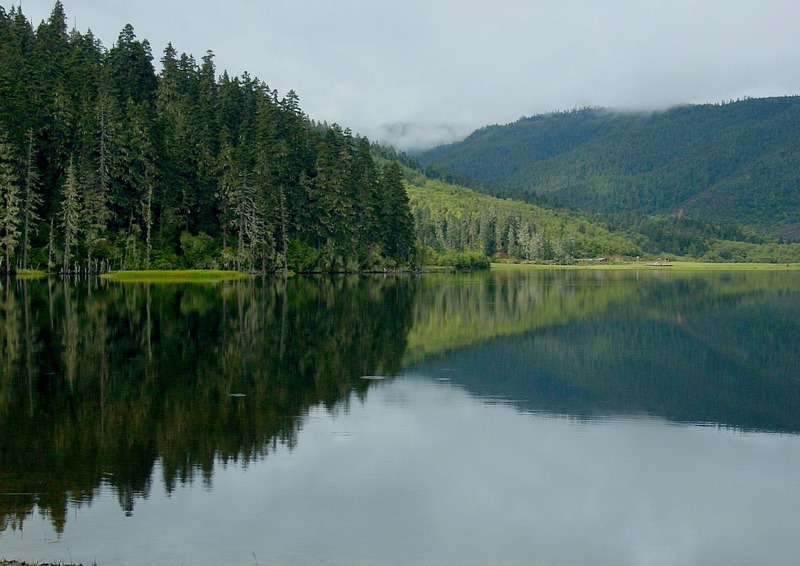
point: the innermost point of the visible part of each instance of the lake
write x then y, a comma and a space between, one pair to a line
554, 417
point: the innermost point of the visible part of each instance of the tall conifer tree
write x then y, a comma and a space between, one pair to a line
70, 215
31, 201
9, 205
398, 224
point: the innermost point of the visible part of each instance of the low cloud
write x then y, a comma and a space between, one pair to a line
410, 136
420, 73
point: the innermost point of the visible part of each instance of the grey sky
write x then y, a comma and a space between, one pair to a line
428, 71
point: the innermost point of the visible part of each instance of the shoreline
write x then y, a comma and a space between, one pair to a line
651, 266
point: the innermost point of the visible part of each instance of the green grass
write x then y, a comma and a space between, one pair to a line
30, 274
175, 276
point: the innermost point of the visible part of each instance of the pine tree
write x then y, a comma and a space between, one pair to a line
130, 68
176, 103
70, 215
207, 133
96, 199
55, 127
19, 109
267, 173
397, 222
96, 215
31, 201
137, 166
294, 165
9, 204
227, 189
365, 186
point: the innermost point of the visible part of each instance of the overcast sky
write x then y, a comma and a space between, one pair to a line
429, 71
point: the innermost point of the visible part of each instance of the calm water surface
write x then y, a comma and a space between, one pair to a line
534, 417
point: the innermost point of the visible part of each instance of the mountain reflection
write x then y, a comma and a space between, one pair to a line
99, 382
714, 348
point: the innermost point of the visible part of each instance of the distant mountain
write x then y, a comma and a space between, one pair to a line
736, 163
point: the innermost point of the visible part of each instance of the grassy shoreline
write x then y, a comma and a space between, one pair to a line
30, 274
175, 276
649, 265
216, 276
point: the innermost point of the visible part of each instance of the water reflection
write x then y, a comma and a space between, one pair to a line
107, 387
109, 378
424, 473
715, 348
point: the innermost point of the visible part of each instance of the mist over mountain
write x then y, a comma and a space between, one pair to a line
417, 136
735, 162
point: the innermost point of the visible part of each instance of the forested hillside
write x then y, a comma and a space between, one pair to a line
450, 219
736, 163
105, 163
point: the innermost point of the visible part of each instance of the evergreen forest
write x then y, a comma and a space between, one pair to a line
451, 218
734, 163
107, 164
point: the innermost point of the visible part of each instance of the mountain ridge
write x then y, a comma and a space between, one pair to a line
736, 162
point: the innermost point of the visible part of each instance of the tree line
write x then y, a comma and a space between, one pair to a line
107, 164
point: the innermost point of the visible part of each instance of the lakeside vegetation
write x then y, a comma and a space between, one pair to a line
176, 276
655, 265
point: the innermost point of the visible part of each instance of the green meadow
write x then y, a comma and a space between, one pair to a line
175, 276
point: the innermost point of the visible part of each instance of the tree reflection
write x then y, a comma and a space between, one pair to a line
119, 377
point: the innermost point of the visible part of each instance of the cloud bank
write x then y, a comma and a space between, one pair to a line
417, 73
